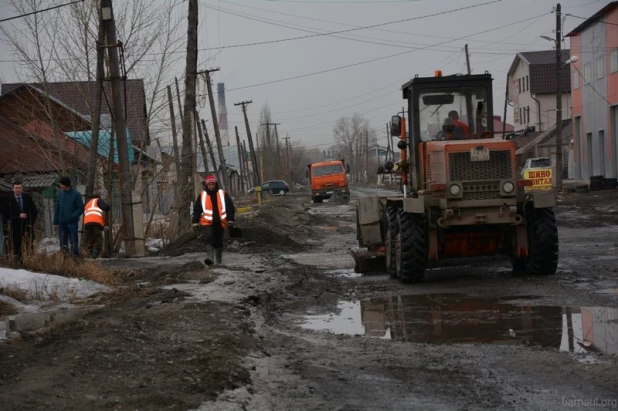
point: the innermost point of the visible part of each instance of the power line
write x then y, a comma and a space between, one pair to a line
355, 28
40, 11
375, 59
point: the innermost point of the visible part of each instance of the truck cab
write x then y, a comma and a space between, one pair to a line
329, 180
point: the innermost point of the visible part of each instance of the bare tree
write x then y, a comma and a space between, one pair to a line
351, 135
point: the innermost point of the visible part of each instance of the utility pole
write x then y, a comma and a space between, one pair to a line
468, 60
287, 156
558, 176
278, 151
240, 165
107, 19
212, 153
215, 124
202, 146
174, 135
187, 178
96, 116
254, 164
366, 156
246, 161
178, 96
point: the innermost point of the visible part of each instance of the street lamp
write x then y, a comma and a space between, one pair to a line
548, 38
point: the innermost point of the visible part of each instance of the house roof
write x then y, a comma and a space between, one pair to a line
592, 19
79, 95
39, 180
84, 137
542, 66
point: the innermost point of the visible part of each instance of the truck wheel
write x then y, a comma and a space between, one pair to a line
344, 198
411, 247
392, 227
543, 245
317, 199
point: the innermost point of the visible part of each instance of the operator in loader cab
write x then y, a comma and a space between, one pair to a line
454, 116
213, 212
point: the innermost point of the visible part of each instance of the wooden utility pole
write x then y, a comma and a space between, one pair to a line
558, 176
210, 150
116, 77
174, 135
96, 116
468, 60
287, 156
178, 96
202, 145
254, 163
215, 124
240, 164
186, 182
246, 161
366, 156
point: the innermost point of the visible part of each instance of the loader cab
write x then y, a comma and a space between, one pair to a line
447, 108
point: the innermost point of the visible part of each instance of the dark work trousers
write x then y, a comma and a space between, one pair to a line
213, 235
94, 240
21, 235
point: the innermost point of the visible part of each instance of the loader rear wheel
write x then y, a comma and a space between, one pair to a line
392, 227
411, 247
543, 244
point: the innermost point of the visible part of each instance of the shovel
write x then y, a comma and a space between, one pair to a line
235, 232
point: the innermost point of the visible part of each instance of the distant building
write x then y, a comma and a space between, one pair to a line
532, 89
595, 94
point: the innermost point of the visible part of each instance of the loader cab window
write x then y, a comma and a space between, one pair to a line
453, 115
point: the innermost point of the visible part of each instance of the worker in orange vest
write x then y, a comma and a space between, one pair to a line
94, 220
213, 212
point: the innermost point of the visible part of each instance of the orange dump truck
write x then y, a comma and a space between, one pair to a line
329, 181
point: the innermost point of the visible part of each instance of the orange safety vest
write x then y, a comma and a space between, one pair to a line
206, 217
94, 215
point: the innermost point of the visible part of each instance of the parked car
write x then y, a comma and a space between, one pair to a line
274, 187
539, 162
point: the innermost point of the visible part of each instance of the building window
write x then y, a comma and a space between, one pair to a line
519, 85
528, 114
527, 84
521, 120
575, 76
588, 72
600, 63
613, 61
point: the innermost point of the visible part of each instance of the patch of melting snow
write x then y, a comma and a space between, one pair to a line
344, 272
40, 286
456, 318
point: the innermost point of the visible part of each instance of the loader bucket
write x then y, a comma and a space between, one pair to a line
369, 261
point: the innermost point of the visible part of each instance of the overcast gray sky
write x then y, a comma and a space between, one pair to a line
307, 107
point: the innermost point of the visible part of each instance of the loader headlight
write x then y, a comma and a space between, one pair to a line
454, 190
508, 187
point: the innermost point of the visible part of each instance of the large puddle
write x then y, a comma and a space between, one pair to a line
453, 318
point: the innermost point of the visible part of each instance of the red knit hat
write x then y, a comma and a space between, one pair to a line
211, 179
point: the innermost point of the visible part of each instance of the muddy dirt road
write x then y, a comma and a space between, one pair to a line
287, 324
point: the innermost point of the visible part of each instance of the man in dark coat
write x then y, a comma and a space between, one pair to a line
69, 207
213, 212
21, 214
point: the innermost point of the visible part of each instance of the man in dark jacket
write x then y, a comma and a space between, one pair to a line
213, 211
69, 207
21, 213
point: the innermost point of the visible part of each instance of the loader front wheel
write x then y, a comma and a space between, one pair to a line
392, 227
411, 247
543, 242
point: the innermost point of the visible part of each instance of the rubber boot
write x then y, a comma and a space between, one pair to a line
210, 259
218, 255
